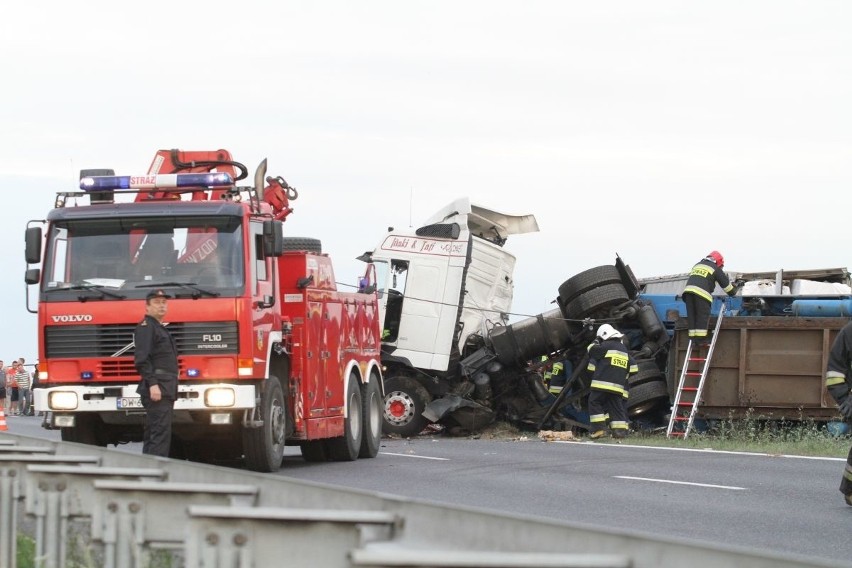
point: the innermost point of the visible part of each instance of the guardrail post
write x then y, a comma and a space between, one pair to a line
133, 518
12, 471
58, 494
235, 537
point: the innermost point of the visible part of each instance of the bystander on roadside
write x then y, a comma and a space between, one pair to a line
33, 388
12, 390
24, 380
2, 387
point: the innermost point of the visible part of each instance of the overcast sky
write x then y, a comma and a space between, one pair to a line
658, 130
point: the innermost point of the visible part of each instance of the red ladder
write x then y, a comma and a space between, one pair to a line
691, 384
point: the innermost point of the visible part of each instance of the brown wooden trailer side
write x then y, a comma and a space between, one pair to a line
764, 367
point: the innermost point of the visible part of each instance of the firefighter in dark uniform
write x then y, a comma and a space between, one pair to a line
698, 293
553, 375
838, 381
157, 364
611, 364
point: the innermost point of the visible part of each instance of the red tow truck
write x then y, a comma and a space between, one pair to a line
270, 352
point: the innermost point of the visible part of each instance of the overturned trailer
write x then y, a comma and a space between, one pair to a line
770, 357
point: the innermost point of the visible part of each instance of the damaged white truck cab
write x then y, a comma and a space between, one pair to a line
441, 287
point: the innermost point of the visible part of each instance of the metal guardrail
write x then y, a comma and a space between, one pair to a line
58, 495
136, 506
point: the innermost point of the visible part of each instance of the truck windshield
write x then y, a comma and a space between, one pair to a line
132, 255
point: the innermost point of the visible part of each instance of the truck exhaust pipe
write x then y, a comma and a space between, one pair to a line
260, 179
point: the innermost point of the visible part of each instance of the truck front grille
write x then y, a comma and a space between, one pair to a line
115, 340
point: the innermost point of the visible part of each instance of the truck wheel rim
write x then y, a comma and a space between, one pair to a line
399, 408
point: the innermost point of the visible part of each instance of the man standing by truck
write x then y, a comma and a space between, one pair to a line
837, 381
698, 294
157, 363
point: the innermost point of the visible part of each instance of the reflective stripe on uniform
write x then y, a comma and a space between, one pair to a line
609, 387
596, 418
698, 291
834, 378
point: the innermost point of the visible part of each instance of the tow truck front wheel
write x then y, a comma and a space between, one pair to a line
404, 404
263, 447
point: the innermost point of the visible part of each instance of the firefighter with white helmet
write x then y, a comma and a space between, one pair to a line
698, 293
611, 364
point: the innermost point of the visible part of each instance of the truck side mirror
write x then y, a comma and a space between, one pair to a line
32, 250
32, 276
273, 238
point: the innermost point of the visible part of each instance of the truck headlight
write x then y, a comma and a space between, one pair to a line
62, 400
220, 397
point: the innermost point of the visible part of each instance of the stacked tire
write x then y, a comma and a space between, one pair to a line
598, 293
648, 389
592, 293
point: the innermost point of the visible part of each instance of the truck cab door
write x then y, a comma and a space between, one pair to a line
260, 285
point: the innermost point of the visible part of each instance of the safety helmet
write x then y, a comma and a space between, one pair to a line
606, 331
717, 257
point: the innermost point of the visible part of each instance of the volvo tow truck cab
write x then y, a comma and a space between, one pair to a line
270, 352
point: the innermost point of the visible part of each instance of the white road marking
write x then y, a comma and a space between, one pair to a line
700, 450
414, 456
733, 488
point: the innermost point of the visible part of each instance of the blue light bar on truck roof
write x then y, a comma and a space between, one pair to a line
161, 181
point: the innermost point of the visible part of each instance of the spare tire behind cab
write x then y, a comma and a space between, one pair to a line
302, 243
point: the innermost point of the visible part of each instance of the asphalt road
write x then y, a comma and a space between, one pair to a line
784, 504
778, 503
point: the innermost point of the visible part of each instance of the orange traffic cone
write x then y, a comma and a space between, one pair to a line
3, 426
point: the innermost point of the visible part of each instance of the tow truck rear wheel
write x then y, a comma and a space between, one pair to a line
405, 400
263, 447
371, 397
348, 446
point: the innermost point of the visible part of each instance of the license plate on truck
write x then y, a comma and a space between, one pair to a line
129, 402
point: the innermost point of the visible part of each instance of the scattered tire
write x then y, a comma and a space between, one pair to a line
647, 397
596, 301
467, 420
302, 243
648, 371
587, 280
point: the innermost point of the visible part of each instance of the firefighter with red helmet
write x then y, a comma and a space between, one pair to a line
611, 364
698, 293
